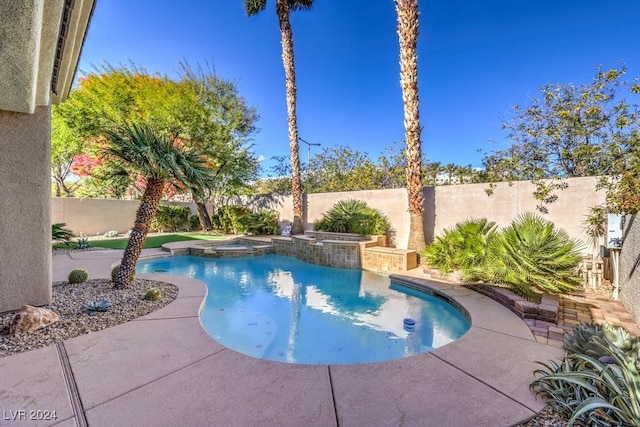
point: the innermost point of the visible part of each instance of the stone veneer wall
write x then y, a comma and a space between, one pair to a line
630, 267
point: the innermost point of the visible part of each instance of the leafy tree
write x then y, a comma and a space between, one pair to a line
340, 169
571, 131
66, 144
407, 11
283, 9
219, 123
392, 167
199, 110
278, 179
142, 150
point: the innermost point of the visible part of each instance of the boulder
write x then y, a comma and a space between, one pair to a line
29, 319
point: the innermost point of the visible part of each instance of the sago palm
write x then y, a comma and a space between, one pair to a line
141, 150
283, 9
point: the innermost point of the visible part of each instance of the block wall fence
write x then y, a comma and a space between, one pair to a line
444, 207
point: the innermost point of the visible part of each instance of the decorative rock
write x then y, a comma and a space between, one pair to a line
29, 319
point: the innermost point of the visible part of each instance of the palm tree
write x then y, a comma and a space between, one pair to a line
283, 8
141, 150
450, 169
407, 11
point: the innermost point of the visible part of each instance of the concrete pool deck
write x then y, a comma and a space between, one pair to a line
163, 369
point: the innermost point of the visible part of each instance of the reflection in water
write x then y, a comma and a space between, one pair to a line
283, 309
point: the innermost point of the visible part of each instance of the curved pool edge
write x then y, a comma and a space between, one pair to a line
497, 355
481, 379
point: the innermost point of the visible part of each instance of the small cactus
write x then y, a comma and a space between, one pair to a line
153, 294
114, 270
78, 275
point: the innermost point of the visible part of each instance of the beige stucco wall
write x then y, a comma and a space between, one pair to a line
25, 216
455, 203
444, 207
630, 266
94, 216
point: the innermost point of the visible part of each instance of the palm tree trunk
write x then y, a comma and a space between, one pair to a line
147, 209
203, 216
407, 11
286, 34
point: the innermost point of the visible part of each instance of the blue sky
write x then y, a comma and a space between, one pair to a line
477, 59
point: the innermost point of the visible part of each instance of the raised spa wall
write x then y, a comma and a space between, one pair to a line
321, 248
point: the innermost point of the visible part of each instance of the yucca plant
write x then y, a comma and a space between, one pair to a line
461, 247
353, 216
532, 257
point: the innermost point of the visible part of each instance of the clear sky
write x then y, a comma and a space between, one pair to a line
477, 59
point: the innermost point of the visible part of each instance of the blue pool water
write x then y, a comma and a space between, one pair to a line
278, 308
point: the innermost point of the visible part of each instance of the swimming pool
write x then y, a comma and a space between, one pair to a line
279, 308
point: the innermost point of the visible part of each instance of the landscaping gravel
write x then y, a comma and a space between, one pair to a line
68, 300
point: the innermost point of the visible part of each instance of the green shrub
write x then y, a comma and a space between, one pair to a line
114, 270
461, 247
597, 382
194, 223
530, 256
153, 294
170, 218
60, 234
265, 221
231, 219
78, 275
353, 216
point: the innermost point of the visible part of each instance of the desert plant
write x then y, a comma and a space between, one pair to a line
170, 218
530, 256
78, 275
61, 234
114, 271
265, 221
231, 219
94, 307
594, 225
460, 247
153, 294
353, 216
602, 391
83, 241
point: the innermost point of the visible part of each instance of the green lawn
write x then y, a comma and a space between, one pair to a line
152, 241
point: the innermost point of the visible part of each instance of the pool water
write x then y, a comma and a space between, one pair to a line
279, 308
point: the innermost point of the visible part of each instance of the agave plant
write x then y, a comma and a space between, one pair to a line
461, 247
597, 383
94, 307
531, 256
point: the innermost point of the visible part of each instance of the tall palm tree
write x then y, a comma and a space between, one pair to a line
283, 8
407, 11
141, 150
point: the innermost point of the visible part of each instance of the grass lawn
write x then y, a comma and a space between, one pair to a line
151, 242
